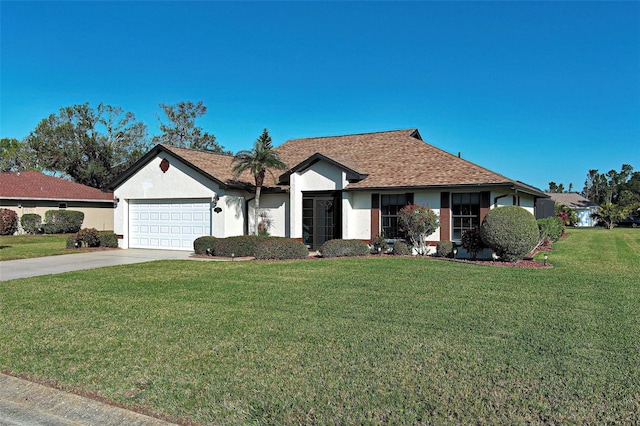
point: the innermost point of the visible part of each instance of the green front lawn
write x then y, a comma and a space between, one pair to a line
29, 246
346, 341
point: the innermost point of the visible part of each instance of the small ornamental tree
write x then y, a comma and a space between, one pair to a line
610, 214
418, 222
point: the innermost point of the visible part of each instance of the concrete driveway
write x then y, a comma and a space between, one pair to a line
24, 268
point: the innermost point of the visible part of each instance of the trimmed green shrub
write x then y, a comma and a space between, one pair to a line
510, 231
62, 221
551, 228
379, 244
472, 242
281, 249
89, 237
71, 242
400, 248
241, 246
445, 249
344, 248
31, 223
108, 239
201, 244
8, 222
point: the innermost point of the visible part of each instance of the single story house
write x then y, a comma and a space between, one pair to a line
348, 187
35, 192
583, 207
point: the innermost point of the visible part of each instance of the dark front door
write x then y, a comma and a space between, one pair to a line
319, 220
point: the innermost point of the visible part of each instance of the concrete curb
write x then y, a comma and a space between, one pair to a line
26, 403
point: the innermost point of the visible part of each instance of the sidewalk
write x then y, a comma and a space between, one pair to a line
26, 403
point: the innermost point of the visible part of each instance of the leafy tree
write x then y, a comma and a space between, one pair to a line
555, 188
15, 156
257, 161
610, 187
91, 146
418, 222
181, 130
609, 214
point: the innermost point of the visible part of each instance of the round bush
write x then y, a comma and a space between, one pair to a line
400, 248
90, 237
8, 222
444, 249
31, 223
510, 231
108, 239
281, 249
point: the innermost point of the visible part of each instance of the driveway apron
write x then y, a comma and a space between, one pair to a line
24, 268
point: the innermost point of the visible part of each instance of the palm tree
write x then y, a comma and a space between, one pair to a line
257, 161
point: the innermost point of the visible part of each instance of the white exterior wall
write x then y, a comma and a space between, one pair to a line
430, 199
179, 182
230, 221
321, 176
527, 201
277, 208
356, 213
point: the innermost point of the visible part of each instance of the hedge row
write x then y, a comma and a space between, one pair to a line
260, 247
551, 228
344, 248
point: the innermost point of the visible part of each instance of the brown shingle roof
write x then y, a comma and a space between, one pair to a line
219, 166
393, 159
35, 185
397, 158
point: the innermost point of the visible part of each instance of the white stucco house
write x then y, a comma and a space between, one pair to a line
349, 187
583, 207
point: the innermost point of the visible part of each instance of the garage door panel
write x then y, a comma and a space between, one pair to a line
164, 225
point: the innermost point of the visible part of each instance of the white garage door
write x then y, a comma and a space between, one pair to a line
172, 225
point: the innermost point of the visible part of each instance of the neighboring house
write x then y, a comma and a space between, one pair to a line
34, 192
583, 206
347, 187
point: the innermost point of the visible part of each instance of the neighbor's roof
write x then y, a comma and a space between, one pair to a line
38, 186
397, 158
571, 199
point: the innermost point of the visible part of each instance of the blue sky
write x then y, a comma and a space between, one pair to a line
537, 91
